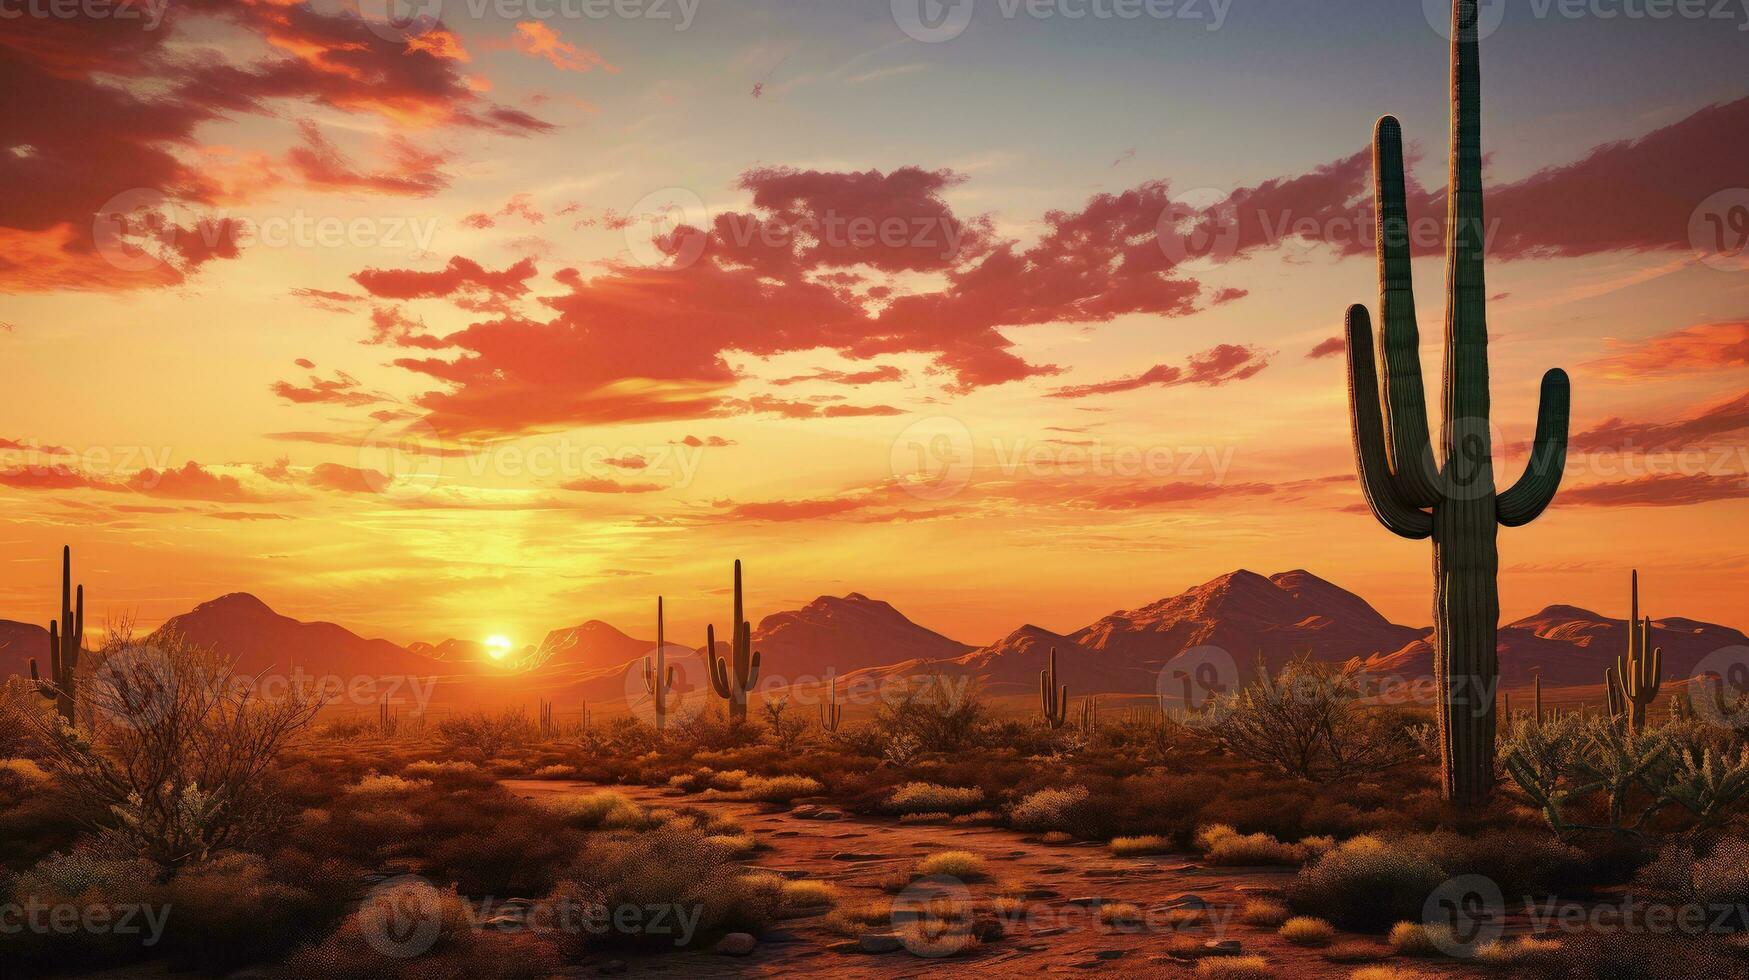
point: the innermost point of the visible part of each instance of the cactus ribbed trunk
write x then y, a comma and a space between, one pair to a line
733, 677
1455, 503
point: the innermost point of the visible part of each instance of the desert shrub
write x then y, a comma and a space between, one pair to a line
1263, 912
668, 866
777, 789
387, 785
1639, 955
963, 865
1525, 952
1234, 968
1521, 862
1138, 846
1059, 809
859, 918
1223, 845
1366, 884
172, 761
237, 909
1355, 952
931, 798
933, 714
364, 948
1717, 876
487, 733
589, 811
1120, 913
1386, 973
1420, 939
809, 894
454, 774
1307, 722
1305, 930
556, 772
925, 818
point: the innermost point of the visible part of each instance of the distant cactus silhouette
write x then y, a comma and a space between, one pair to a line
1455, 504
1634, 681
66, 643
733, 678
1053, 700
658, 676
831, 715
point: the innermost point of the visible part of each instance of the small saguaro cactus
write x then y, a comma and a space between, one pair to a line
1087, 721
658, 676
1637, 675
1537, 689
831, 715
547, 729
1053, 700
66, 643
1453, 502
733, 677
388, 719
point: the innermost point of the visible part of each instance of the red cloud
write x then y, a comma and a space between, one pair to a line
346, 479
413, 171
1667, 490
462, 276
1327, 348
885, 372
604, 485
1212, 368
99, 106
191, 482
344, 390
1619, 435
1707, 347
537, 40
55, 477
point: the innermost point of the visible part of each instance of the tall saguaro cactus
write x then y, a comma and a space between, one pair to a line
1454, 502
66, 643
1053, 701
1634, 681
658, 676
733, 678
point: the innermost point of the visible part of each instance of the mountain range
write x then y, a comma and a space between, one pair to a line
1247, 615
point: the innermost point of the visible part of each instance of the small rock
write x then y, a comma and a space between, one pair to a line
1186, 902
736, 944
505, 922
806, 811
845, 946
1222, 947
879, 942
856, 856
1052, 931
613, 968
1110, 954
829, 814
1089, 901
1040, 892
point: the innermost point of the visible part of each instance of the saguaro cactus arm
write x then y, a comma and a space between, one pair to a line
1413, 472
1372, 460
1536, 488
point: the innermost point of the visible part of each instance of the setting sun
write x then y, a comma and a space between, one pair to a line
498, 646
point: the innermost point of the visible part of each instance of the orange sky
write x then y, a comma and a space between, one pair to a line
435, 378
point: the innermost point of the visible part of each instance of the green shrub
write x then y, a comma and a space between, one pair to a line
1366, 884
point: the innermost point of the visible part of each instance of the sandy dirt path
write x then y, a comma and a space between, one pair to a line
1059, 932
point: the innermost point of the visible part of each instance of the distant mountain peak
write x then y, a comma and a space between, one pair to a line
236, 602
